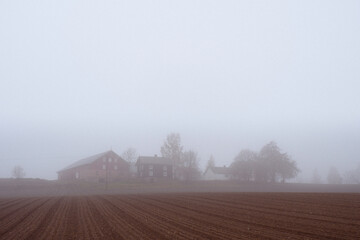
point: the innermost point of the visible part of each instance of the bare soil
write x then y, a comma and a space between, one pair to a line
225, 215
39, 187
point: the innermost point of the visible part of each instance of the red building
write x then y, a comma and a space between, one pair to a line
154, 168
98, 168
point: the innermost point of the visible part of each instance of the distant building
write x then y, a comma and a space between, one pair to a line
217, 173
98, 168
154, 168
133, 170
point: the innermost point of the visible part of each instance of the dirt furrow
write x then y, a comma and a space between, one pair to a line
107, 231
339, 227
9, 202
14, 221
39, 232
254, 223
187, 220
28, 221
182, 216
159, 221
261, 201
56, 221
13, 208
139, 228
88, 227
283, 214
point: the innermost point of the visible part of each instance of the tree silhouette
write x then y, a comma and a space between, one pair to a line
211, 162
172, 149
334, 176
129, 155
18, 172
243, 167
316, 177
190, 168
353, 176
270, 165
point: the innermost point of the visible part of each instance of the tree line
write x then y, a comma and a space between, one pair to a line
335, 177
268, 165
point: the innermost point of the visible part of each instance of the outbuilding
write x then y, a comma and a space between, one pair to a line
217, 173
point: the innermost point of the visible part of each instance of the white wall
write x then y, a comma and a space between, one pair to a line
210, 175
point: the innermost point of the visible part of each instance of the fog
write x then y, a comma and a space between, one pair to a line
81, 77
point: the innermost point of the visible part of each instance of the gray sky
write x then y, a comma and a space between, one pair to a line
80, 77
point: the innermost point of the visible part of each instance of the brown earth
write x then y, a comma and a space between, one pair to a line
183, 216
40, 188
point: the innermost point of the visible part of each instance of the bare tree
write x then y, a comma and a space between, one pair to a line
18, 172
172, 149
129, 155
334, 176
316, 178
211, 162
190, 168
353, 176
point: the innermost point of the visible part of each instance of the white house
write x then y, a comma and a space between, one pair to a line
217, 173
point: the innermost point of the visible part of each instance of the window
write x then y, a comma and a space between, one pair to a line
77, 175
104, 159
104, 166
110, 159
151, 170
115, 167
165, 171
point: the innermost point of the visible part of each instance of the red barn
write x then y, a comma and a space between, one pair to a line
98, 168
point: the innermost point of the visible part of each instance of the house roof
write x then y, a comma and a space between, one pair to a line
88, 160
153, 160
219, 170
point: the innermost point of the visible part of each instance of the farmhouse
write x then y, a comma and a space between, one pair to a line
154, 168
98, 168
217, 173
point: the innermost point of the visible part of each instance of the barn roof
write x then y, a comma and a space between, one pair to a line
153, 160
88, 160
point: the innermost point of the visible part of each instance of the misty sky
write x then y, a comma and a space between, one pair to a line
80, 77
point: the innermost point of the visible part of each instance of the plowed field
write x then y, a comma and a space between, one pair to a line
183, 216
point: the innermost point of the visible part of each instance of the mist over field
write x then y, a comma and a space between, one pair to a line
82, 77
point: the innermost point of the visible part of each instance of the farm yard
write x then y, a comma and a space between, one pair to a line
183, 216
